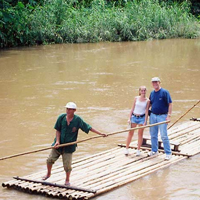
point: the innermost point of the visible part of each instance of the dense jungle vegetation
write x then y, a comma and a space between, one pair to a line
30, 22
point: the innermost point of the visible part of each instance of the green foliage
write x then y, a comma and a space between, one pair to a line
68, 21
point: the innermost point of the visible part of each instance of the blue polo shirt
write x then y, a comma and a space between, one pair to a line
160, 101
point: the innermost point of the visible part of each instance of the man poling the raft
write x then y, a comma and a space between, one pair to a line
67, 127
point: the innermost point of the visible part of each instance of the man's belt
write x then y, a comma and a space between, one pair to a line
159, 113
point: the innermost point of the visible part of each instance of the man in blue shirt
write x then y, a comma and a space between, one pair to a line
161, 109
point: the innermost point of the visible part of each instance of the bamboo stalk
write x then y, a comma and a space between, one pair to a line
188, 147
131, 178
107, 170
80, 141
159, 150
121, 175
102, 172
184, 114
89, 170
183, 139
181, 127
56, 175
112, 172
55, 185
186, 131
95, 167
75, 163
85, 164
196, 136
132, 171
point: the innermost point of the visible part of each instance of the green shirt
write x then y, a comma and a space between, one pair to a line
70, 133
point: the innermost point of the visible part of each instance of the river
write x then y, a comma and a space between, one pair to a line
102, 78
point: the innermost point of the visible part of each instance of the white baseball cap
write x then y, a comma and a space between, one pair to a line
155, 79
71, 105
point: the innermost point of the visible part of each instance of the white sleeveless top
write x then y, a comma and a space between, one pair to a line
140, 107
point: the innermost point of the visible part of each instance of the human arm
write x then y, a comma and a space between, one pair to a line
169, 112
97, 132
57, 139
169, 101
132, 109
147, 112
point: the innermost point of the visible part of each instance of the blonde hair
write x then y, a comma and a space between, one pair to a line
140, 88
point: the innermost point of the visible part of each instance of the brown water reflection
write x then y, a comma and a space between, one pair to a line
102, 79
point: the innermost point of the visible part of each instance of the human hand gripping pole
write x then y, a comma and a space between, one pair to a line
80, 141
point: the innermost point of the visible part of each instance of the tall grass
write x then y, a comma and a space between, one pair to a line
59, 21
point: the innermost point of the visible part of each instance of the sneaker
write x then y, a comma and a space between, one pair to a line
168, 157
67, 184
138, 153
126, 152
152, 153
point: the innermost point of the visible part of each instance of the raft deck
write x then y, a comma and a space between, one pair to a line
107, 170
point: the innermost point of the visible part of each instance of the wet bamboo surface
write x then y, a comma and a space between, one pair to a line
111, 169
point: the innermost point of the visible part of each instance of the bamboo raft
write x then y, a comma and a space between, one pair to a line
107, 170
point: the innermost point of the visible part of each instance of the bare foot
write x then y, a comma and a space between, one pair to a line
45, 177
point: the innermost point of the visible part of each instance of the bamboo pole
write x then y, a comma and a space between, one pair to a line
185, 132
80, 141
130, 171
114, 175
183, 139
160, 150
57, 175
93, 168
102, 171
181, 127
189, 147
130, 178
72, 195
184, 114
82, 174
175, 129
111, 172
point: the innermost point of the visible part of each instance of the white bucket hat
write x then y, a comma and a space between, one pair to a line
155, 79
71, 105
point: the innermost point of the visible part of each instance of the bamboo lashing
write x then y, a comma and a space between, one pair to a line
80, 141
184, 114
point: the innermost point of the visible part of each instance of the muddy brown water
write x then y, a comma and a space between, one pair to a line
103, 78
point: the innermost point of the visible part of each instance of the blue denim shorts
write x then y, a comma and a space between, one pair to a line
137, 120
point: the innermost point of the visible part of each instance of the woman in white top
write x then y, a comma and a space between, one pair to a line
138, 116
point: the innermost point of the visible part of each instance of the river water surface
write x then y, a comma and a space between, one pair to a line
102, 78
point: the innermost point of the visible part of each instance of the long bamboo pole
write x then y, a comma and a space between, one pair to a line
80, 141
184, 114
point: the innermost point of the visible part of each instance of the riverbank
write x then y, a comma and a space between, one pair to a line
59, 21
